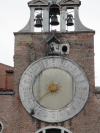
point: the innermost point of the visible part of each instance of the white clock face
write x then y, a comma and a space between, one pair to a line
55, 88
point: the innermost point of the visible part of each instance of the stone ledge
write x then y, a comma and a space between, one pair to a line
58, 32
7, 93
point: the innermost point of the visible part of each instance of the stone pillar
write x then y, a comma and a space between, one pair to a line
62, 131
46, 25
62, 19
44, 131
76, 16
32, 20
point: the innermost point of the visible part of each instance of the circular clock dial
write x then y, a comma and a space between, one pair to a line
54, 88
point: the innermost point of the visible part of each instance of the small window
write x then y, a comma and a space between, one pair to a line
64, 48
53, 131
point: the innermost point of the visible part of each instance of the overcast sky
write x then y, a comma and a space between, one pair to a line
14, 15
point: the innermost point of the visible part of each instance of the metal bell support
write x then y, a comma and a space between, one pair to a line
54, 20
70, 20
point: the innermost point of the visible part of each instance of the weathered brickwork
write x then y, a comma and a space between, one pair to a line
30, 47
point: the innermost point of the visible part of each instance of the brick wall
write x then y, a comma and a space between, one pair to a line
30, 47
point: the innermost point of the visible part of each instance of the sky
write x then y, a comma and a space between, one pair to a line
14, 15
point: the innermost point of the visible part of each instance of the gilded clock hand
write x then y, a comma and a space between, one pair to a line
44, 94
53, 88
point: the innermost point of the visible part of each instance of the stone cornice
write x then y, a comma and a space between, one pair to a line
67, 32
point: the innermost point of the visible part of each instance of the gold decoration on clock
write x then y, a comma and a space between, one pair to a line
52, 88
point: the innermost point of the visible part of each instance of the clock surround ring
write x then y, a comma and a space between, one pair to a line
48, 115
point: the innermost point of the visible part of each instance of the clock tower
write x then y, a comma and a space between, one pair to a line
54, 70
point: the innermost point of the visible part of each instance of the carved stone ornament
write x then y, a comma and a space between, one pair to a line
70, 2
37, 2
53, 89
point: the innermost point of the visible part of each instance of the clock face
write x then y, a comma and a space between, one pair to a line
55, 88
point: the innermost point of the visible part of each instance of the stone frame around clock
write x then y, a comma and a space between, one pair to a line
47, 115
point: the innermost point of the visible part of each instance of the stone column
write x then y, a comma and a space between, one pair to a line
31, 28
44, 131
76, 16
46, 25
62, 19
62, 131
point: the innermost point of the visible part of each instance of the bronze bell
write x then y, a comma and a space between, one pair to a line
70, 20
54, 20
38, 21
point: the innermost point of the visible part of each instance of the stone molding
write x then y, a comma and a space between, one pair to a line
38, 33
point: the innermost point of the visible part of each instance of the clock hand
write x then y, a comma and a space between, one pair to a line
44, 94
53, 88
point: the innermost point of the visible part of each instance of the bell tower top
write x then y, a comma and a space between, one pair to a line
35, 3
45, 14
60, 2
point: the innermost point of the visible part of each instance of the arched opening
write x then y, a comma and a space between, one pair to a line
53, 129
54, 9
38, 20
1, 127
54, 17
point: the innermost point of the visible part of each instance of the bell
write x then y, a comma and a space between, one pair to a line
38, 20
54, 20
38, 23
70, 20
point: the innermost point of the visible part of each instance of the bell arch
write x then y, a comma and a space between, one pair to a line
54, 9
54, 17
53, 129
